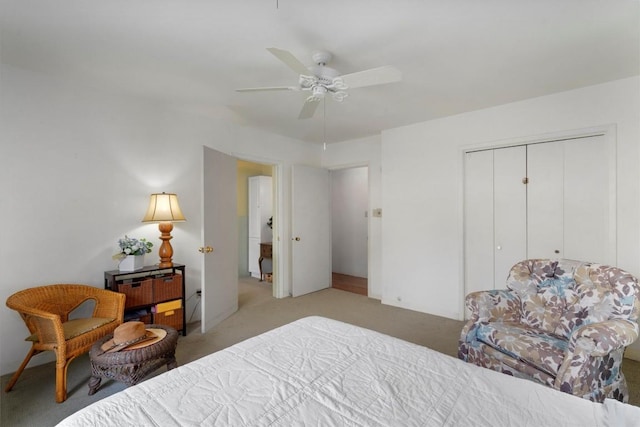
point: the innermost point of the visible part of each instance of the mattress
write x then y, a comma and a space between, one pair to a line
321, 372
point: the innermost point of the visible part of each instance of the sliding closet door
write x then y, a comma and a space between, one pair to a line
565, 210
510, 210
587, 201
545, 194
568, 200
478, 223
494, 217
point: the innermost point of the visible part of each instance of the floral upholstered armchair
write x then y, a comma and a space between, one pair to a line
562, 323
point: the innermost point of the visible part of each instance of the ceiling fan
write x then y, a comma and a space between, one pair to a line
321, 80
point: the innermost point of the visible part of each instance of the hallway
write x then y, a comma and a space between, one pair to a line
344, 282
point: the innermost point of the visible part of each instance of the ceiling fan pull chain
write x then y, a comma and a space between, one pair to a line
324, 124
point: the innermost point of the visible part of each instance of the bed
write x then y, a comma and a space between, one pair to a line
321, 372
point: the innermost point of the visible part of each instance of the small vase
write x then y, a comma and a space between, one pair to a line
131, 263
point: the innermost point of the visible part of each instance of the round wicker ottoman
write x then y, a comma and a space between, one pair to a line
131, 366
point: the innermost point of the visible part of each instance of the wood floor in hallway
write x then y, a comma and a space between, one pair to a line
348, 283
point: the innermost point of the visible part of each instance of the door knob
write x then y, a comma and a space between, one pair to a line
297, 239
205, 249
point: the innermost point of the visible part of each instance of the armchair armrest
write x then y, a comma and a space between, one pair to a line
495, 305
594, 348
47, 327
602, 338
109, 304
498, 305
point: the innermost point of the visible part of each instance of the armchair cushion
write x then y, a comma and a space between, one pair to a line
541, 350
563, 323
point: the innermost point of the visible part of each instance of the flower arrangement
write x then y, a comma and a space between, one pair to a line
131, 246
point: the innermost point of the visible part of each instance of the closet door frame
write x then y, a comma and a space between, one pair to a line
608, 132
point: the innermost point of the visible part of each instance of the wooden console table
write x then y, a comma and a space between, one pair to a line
266, 251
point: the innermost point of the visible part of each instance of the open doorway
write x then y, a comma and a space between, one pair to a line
349, 229
255, 222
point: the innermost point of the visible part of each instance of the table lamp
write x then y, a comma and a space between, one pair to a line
164, 209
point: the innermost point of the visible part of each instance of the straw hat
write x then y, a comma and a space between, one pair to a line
132, 335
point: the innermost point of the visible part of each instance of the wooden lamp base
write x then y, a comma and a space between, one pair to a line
165, 251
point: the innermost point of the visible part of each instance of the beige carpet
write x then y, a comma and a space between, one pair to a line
31, 403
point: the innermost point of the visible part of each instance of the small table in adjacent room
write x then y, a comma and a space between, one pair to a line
131, 366
266, 251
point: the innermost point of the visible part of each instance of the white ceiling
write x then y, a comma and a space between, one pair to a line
455, 55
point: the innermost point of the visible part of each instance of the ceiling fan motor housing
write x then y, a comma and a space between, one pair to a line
323, 78
321, 57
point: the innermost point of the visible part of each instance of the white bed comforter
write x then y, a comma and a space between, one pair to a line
320, 372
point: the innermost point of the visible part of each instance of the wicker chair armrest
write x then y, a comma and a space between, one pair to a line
494, 305
602, 338
48, 328
109, 304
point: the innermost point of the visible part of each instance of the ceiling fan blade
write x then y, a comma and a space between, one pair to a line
289, 60
373, 76
264, 89
308, 109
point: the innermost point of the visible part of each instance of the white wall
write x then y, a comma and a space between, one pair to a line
349, 220
78, 165
364, 152
422, 186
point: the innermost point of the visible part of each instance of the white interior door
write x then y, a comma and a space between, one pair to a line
219, 230
310, 230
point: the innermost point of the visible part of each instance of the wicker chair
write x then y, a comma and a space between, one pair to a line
45, 310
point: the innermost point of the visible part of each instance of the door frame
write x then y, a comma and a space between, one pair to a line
369, 209
608, 132
280, 232
369, 215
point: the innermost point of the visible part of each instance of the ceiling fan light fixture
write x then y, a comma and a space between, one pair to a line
307, 82
338, 84
319, 91
340, 95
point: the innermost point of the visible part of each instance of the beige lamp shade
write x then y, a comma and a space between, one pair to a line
163, 207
